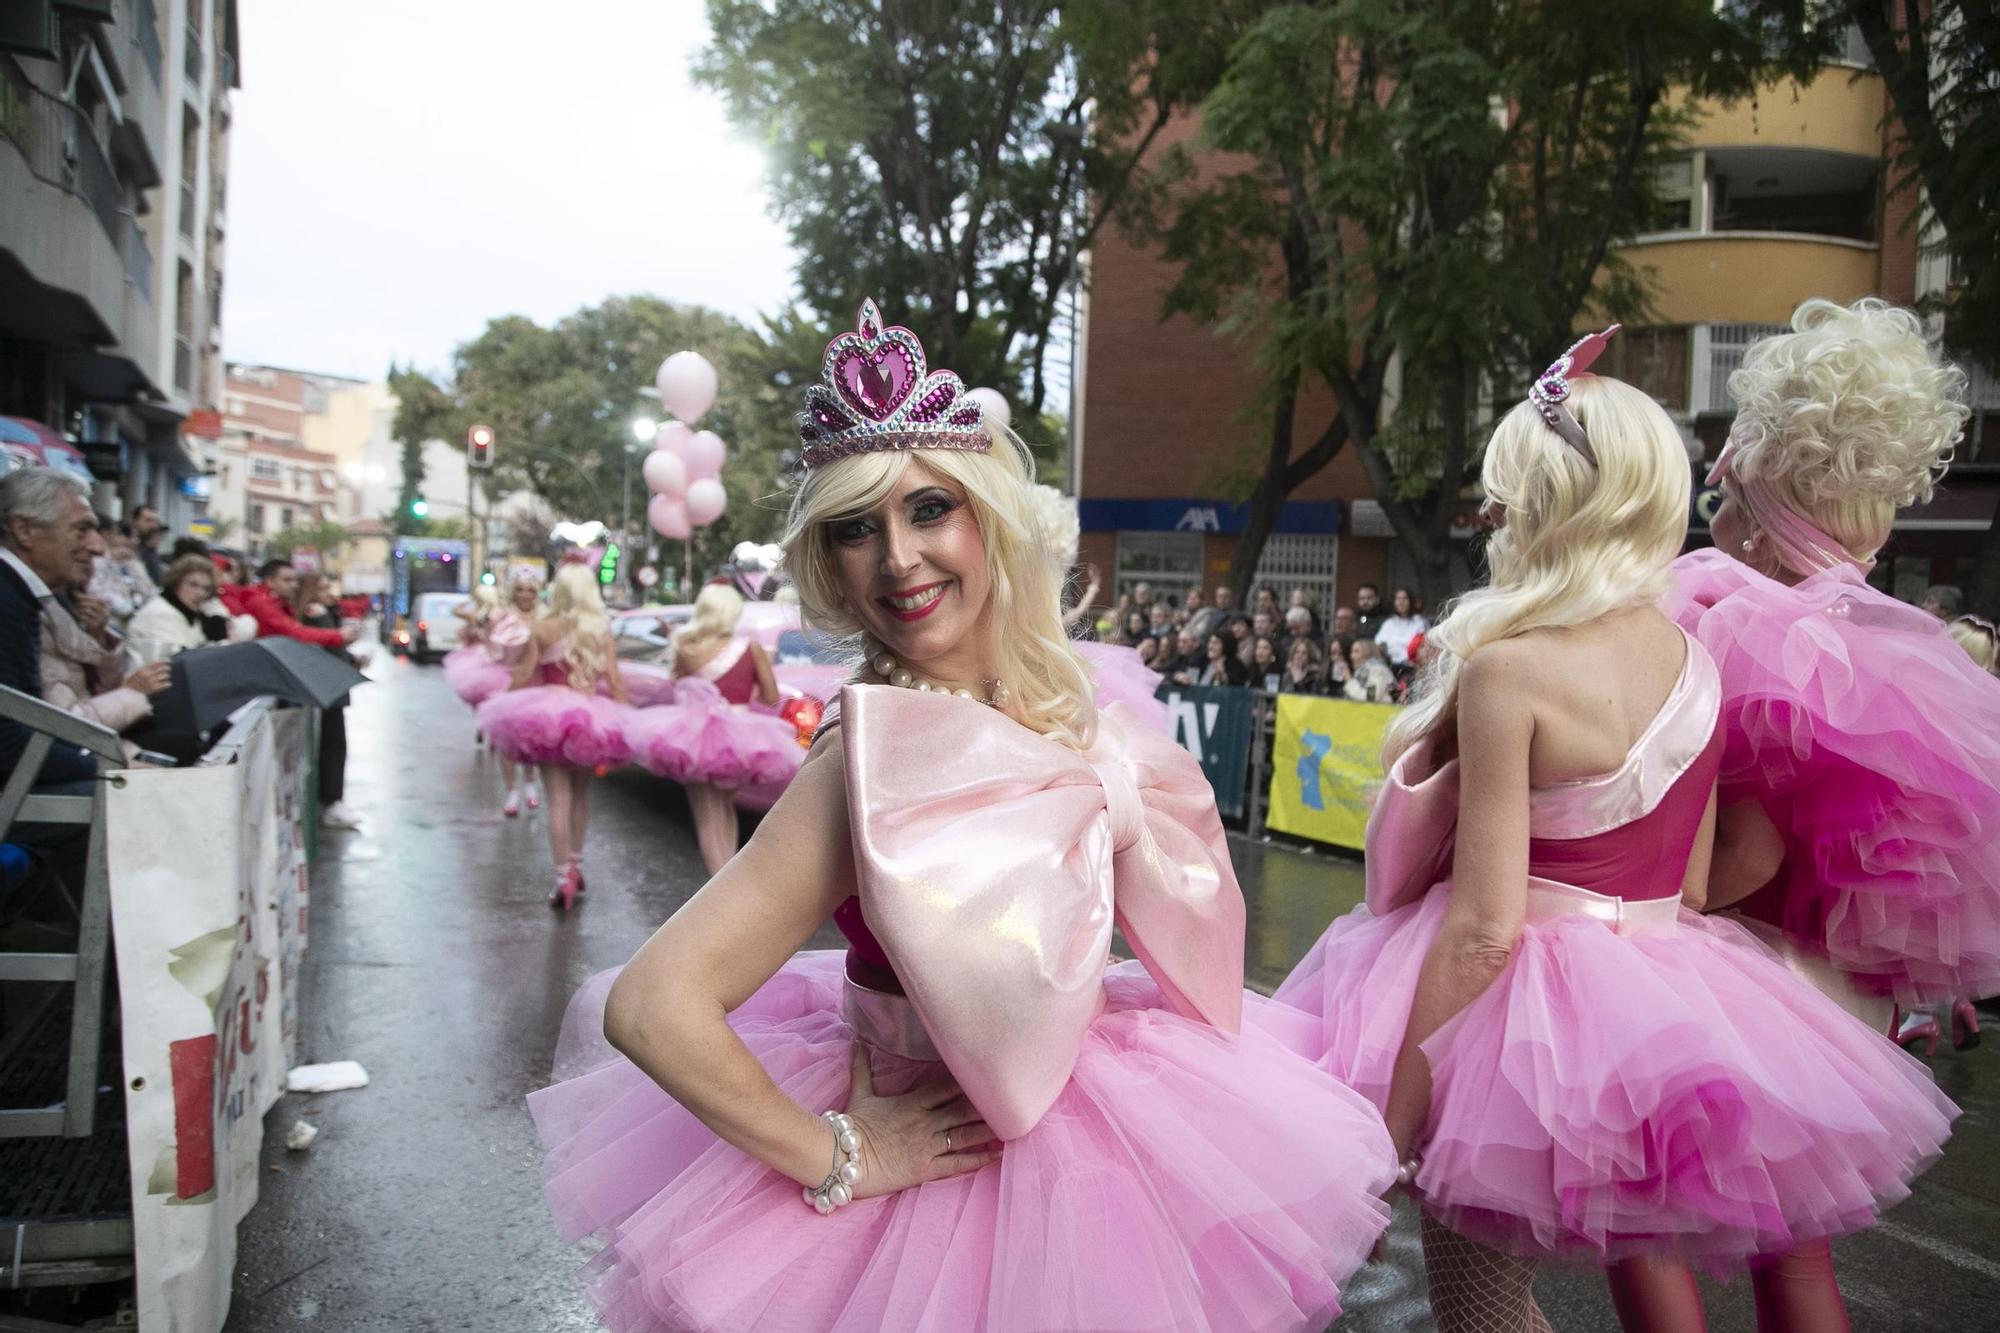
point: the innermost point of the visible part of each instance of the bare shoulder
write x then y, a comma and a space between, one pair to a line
1502, 673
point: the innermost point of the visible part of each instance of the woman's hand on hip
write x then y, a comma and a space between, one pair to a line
928, 1133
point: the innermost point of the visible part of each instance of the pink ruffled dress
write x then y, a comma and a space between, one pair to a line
708, 733
1172, 1163
1639, 1079
1873, 742
484, 666
1123, 679
557, 723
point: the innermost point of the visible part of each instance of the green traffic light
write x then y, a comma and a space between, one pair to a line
487, 578
420, 507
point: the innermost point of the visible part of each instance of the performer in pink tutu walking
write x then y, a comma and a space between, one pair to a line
707, 739
554, 718
967, 1121
1574, 1066
1859, 829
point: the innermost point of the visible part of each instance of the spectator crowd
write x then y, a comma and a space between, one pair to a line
1368, 652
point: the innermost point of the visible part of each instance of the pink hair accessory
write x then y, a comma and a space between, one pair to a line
1551, 389
876, 392
1802, 545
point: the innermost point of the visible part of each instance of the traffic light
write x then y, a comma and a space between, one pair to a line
607, 568
419, 507
487, 578
479, 446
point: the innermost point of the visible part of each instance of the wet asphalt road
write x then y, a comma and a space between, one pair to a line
435, 962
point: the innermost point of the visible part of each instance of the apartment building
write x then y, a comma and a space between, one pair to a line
1777, 199
114, 123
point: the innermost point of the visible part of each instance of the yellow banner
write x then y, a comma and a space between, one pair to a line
1326, 767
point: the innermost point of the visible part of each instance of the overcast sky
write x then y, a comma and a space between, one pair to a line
401, 171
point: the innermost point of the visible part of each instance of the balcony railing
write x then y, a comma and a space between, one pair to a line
63, 151
1726, 345
192, 64
183, 366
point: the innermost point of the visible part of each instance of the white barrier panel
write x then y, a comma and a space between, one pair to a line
208, 913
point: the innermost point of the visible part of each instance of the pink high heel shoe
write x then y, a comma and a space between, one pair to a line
534, 797
568, 885
511, 807
1964, 1025
1919, 1028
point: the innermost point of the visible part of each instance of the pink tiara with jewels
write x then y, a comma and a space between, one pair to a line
1551, 391
875, 392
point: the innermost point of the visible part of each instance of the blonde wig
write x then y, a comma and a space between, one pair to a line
1847, 418
1577, 541
1979, 639
1048, 685
485, 602
717, 608
574, 594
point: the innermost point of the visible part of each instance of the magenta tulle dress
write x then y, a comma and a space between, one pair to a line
708, 734
1172, 1163
1873, 742
556, 723
484, 665
1123, 679
1639, 1079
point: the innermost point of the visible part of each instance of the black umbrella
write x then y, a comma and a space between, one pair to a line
208, 684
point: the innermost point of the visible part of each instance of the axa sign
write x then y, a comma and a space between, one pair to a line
1199, 518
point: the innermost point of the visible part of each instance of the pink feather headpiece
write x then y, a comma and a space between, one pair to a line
876, 392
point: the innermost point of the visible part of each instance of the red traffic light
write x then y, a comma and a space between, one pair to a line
479, 446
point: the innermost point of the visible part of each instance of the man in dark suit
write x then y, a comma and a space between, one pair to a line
46, 526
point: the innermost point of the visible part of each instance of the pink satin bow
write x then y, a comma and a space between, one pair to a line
1411, 830
992, 864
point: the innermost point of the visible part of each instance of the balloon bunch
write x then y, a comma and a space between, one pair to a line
685, 468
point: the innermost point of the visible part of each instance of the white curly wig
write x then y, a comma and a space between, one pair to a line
1849, 417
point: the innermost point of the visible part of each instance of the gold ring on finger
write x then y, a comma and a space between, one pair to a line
947, 1140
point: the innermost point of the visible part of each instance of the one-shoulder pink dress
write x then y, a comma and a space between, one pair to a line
1639, 1079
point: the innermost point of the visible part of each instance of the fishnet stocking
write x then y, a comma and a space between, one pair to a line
1475, 1289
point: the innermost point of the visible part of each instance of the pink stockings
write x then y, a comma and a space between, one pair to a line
569, 811
1475, 1289
715, 828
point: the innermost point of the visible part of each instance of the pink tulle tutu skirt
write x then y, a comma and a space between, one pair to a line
702, 738
1123, 679
1673, 1091
1873, 742
554, 724
1183, 1180
474, 676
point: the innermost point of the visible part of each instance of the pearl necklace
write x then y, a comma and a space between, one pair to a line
889, 669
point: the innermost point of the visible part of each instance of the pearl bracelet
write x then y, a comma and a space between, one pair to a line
837, 1190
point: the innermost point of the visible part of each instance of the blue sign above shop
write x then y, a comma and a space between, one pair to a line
1321, 517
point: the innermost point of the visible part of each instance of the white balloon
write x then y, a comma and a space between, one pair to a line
705, 501
672, 437
687, 385
704, 454
665, 473
774, 554
993, 406
746, 553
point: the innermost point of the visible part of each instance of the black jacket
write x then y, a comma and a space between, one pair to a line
21, 668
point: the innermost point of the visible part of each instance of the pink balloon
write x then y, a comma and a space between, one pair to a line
665, 473
669, 517
687, 385
705, 501
672, 437
704, 455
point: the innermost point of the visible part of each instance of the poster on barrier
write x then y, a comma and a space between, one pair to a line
1212, 723
1326, 767
196, 858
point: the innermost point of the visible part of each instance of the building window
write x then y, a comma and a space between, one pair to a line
284, 518
1676, 195
256, 520
1169, 561
1301, 560
266, 469
1655, 360
1797, 190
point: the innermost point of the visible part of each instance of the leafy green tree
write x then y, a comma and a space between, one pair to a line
325, 537
1407, 208
1941, 62
422, 413
951, 161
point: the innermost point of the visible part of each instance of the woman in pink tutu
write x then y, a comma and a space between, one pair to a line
482, 666
1859, 829
1571, 1064
968, 1121
707, 739
554, 718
